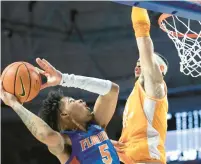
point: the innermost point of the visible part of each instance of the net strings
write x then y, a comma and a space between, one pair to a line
189, 49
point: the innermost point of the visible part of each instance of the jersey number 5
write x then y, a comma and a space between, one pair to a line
106, 157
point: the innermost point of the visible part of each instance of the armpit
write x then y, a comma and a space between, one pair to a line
155, 90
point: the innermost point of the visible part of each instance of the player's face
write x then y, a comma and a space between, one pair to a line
77, 109
137, 69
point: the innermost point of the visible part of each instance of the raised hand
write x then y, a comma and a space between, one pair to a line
53, 75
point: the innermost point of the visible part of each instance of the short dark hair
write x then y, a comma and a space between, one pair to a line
50, 109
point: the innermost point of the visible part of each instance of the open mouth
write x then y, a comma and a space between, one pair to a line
89, 109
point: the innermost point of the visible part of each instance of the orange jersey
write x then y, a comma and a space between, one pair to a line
144, 128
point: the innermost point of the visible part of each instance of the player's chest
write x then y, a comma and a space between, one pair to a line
85, 142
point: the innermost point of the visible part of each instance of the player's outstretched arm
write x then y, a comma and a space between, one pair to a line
39, 129
106, 103
153, 77
105, 106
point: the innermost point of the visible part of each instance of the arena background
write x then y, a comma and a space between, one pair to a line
92, 39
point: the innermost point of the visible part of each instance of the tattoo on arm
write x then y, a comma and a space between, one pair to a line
35, 125
26, 118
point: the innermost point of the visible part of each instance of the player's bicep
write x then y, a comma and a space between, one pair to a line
56, 150
105, 106
55, 143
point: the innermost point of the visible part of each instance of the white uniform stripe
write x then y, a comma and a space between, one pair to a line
153, 136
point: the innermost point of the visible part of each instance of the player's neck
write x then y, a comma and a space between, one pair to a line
140, 79
82, 126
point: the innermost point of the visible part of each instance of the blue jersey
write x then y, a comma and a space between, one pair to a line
91, 147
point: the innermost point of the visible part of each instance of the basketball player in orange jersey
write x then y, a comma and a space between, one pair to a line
145, 114
73, 132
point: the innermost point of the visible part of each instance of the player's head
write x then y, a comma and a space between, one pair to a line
64, 113
162, 62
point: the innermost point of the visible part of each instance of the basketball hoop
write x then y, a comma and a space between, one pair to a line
187, 40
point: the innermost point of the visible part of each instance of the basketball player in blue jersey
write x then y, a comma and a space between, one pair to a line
71, 130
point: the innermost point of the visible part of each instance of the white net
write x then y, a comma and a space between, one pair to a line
186, 35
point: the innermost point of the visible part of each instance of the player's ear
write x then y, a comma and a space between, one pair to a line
162, 68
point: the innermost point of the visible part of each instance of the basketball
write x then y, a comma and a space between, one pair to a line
22, 80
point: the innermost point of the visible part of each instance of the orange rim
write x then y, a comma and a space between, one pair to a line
165, 16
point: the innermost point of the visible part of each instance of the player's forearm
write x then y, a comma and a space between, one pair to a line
95, 85
146, 51
36, 126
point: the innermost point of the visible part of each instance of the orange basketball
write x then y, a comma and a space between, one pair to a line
22, 80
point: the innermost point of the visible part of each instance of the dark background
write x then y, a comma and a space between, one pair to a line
85, 38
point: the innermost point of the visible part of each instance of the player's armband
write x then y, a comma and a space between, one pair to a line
141, 22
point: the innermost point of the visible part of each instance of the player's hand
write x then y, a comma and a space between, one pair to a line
118, 145
53, 76
6, 97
